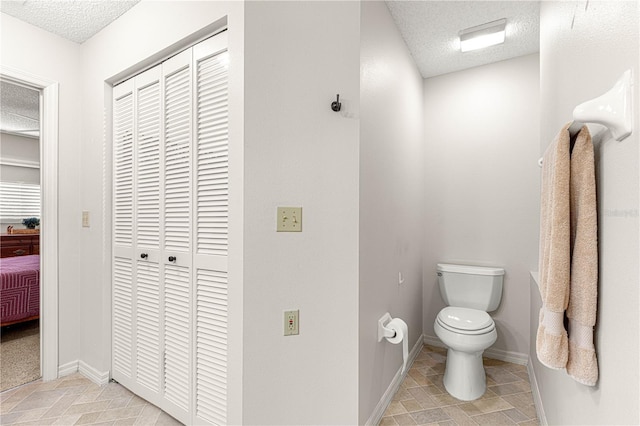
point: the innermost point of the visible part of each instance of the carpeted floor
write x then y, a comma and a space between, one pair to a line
19, 354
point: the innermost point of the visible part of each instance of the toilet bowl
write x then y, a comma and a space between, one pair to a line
466, 333
465, 327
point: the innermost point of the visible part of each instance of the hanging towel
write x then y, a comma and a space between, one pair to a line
552, 344
583, 296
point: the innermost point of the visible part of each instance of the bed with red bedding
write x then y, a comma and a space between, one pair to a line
19, 289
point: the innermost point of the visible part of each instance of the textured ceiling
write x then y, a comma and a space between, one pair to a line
75, 20
19, 110
430, 30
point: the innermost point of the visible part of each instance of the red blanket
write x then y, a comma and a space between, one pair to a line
19, 288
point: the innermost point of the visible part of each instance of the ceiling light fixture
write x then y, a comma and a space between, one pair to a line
483, 35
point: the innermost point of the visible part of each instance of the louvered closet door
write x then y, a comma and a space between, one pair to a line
123, 287
177, 230
148, 202
211, 203
170, 234
137, 290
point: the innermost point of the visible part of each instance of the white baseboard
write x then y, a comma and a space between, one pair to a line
68, 368
507, 356
388, 395
97, 377
493, 353
433, 341
537, 399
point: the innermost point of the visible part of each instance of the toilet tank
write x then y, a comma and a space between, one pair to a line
476, 287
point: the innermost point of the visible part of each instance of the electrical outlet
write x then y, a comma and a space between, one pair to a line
289, 219
85, 219
291, 322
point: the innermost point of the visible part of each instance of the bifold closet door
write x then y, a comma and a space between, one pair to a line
211, 209
170, 197
139, 353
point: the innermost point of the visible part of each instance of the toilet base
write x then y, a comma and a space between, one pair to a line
464, 376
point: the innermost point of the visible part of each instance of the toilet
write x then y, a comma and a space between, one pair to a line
465, 327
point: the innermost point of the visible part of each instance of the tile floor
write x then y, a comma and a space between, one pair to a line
423, 400
75, 400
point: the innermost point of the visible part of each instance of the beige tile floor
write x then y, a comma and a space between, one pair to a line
423, 400
75, 400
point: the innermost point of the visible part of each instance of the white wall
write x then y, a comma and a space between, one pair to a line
37, 52
582, 53
298, 152
19, 152
391, 198
20, 149
145, 34
482, 184
10, 173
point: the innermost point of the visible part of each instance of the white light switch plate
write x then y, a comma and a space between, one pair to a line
289, 219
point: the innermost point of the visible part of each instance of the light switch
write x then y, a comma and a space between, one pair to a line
289, 219
85, 219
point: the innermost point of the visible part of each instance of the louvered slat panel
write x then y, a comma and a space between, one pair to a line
148, 178
212, 177
176, 322
177, 161
122, 315
123, 173
211, 346
148, 325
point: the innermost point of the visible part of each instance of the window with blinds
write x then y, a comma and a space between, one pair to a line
19, 201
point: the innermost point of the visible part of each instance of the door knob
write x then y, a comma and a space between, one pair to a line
143, 255
172, 258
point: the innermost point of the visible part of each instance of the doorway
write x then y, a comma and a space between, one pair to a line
47, 240
20, 205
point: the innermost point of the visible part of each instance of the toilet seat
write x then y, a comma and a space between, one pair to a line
465, 321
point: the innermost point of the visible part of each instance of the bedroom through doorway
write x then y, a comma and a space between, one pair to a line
20, 213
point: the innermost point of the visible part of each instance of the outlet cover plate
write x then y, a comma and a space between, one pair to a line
291, 322
289, 219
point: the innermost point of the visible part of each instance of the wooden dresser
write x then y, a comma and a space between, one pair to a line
19, 244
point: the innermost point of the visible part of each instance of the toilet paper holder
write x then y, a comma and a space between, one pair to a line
384, 331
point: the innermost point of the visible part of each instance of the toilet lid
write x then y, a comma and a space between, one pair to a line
468, 321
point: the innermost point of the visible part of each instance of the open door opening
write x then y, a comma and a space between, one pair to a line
32, 311
20, 212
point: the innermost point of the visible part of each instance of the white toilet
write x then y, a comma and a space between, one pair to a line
464, 325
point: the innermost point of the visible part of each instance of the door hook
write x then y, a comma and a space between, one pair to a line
336, 105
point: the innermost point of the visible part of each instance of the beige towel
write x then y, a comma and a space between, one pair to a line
552, 344
583, 296
568, 257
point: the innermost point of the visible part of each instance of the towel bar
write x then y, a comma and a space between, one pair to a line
613, 109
